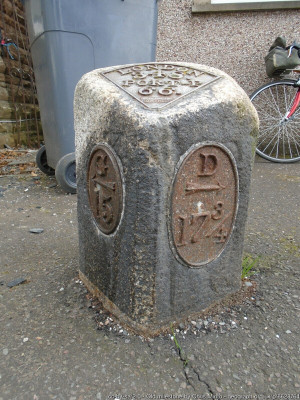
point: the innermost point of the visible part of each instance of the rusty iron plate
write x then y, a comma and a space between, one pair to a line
156, 85
105, 188
204, 203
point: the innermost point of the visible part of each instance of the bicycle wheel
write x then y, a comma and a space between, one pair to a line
279, 138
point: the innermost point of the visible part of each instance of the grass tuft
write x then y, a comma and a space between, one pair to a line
179, 349
248, 264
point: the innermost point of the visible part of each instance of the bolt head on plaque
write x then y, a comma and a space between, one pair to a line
105, 190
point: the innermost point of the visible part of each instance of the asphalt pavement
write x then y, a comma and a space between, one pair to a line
56, 342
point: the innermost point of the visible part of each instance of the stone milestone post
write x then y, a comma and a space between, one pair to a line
164, 154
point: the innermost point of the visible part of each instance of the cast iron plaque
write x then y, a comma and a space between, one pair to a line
204, 203
105, 188
157, 84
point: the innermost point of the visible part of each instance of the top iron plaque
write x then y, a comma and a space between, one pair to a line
156, 85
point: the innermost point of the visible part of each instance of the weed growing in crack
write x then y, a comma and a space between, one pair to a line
179, 349
248, 264
192, 369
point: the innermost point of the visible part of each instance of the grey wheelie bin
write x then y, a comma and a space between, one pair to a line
69, 38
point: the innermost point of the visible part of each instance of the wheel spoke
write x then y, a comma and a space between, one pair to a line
279, 137
276, 142
268, 132
289, 145
296, 146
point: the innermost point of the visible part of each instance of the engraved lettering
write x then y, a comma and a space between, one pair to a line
194, 187
204, 201
193, 82
137, 68
142, 82
151, 67
164, 76
168, 67
195, 225
222, 234
128, 82
139, 75
175, 75
218, 213
104, 188
216, 228
158, 75
183, 69
172, 83
101, 165
157, 100
205, 218
107, 210
146, 91
208, 164
153, 82
194, 72
124, 71
183, 228
105, 185
165, 92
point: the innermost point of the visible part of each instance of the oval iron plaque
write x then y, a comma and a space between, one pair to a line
204, 203
105, 189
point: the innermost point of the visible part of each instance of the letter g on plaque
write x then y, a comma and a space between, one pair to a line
105, 189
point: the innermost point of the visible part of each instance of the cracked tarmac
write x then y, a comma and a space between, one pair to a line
51, 343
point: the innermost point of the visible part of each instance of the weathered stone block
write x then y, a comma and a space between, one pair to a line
164, 154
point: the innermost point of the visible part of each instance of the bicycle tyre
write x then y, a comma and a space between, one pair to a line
278, 139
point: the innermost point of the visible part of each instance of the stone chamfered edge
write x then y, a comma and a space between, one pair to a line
178, 64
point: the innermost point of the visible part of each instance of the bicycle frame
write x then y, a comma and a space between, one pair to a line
296, 101
278, 106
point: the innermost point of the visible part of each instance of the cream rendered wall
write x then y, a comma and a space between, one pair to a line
234, 42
